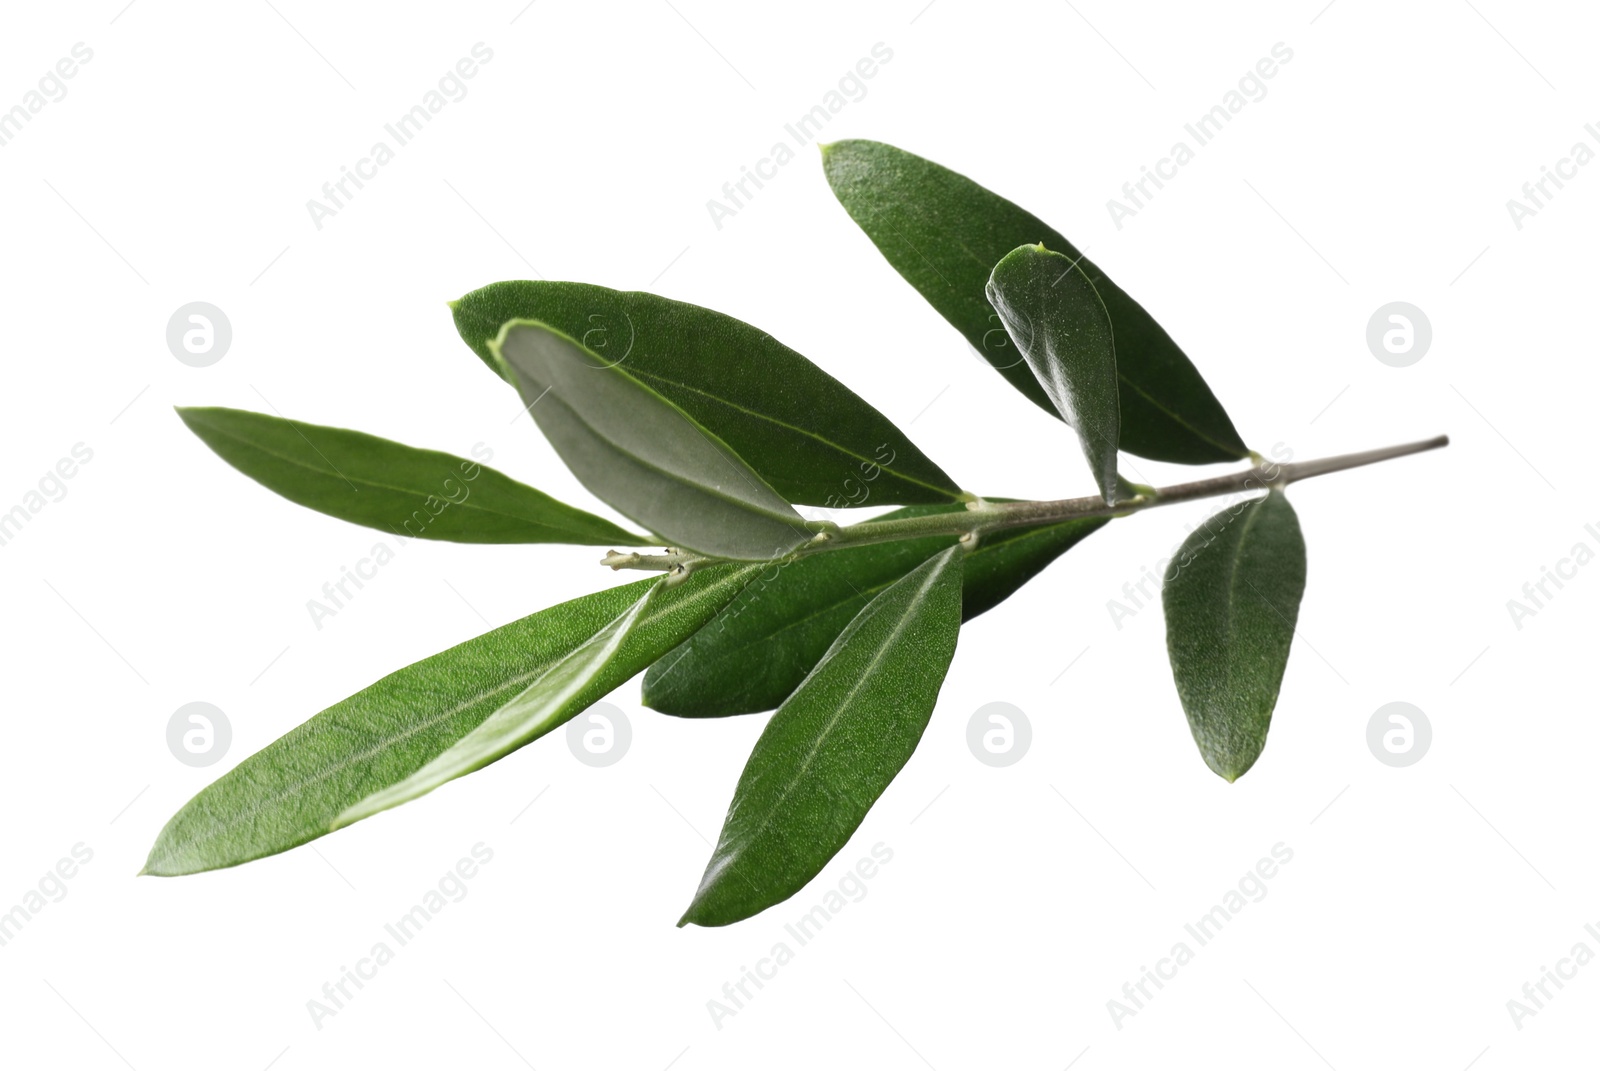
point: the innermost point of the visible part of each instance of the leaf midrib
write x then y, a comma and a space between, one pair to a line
380, 486
723, 453
822, 736
871, 592
1174, 417
1233, 585
644, 374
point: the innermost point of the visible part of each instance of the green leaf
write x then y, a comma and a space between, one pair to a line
552, 699
1059, 324
1231, 597
834, 746
643, 455
293, 790
943, 233
421, 494
808, 435
758, 649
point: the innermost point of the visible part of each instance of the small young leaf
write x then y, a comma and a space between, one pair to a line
394, 488
808, 435
643, 455
1231, 597
1059, 325
293, 790
834, 746
943, 233
760, 646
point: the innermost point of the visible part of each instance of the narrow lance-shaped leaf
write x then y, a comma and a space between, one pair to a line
1059, 325
808, 435
643, 455
1232, 596
394, 488
835, 744
550, 700
294, 789
943, 233
758, 648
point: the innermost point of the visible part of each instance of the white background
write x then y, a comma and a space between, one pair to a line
1019, 900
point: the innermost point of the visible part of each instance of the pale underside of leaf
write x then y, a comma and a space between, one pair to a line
644, 456
808, 435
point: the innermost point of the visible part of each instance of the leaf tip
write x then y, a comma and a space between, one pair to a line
152, 867
1231, 768
694, 914
193, 417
